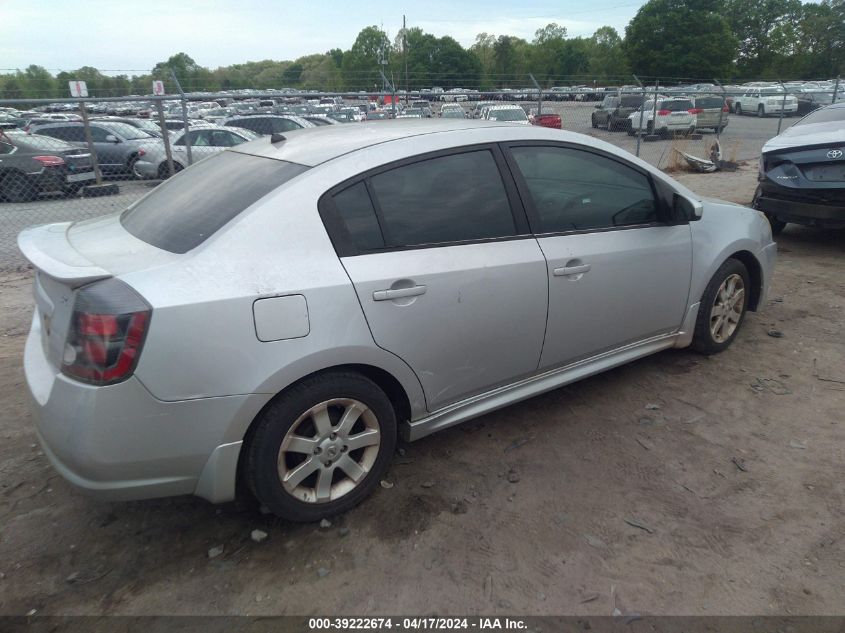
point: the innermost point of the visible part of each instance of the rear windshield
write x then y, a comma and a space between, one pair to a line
186, 210
631, 101
510, 114
708, 102
823, 115
676, 106
37, 142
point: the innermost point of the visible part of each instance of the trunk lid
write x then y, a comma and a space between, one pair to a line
67, 256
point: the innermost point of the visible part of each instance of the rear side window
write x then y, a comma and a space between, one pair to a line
448, 199
358, 215
823, 115
186, 210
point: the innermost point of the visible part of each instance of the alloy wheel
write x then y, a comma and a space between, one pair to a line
727, 308
329, 450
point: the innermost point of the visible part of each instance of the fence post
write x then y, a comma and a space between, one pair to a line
642, 105
782, 105
836, 89
86, 127
184, 118
166, 137
539, 95
722, 109
654, 111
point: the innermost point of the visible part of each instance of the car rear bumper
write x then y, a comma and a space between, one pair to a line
146, 169
121, 443
824, 207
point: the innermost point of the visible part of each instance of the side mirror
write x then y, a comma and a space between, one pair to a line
684, 209
111, 138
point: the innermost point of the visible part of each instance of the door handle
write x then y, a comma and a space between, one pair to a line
566, 271
399, 293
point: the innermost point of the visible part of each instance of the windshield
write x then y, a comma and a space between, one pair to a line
823, 115
126, 131
511, 114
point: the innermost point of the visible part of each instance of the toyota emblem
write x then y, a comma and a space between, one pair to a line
835, 153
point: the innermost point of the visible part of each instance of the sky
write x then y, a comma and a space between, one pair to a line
131, 37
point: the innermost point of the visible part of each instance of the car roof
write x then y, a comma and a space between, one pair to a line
314, 146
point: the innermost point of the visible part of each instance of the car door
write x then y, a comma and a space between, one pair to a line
618, 271
445, 268
109, 153
201, 146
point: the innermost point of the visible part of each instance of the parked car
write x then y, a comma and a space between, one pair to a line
672, 116
31, 164
411, 113
282, 312
711, 112
205, 140
802, 172
614, 111
476, 111
148, 125
550, 120
809, 101
509, 113
116, 144
423, 105
318, 120
377, 115
763, 101
267, 123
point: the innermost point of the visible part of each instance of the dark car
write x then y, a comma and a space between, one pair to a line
267, 123
149, 126
809, 101
116, 144
31, 164
614, 111
802, 172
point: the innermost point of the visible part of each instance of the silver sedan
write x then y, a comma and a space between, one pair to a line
280, 313
205, 140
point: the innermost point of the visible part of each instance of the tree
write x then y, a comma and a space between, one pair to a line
759, 27
680, 39
362, 62
510, 60
483, 52
548, 52
607, 58
292, 74
191, 75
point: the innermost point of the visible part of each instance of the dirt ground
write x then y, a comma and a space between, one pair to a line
675, 485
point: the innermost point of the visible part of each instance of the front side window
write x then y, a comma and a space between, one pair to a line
576, 190
447, 199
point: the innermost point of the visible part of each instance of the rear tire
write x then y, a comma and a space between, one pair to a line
738, 109
302, 431
593, 122
777, 225
761, 111
164, 171
723, 307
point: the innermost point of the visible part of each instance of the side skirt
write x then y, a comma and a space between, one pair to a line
533, 386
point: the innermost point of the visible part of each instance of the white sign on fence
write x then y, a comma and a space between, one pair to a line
158, 88
78, 89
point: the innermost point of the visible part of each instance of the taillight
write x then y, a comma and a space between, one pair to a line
50, 161
725, 108
107, 331
696, 110
141, 152
664, 112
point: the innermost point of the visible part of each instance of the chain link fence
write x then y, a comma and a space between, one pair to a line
76, 159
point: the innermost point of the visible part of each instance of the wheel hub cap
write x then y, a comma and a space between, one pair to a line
727, 308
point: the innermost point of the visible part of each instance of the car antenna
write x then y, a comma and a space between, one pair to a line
277, 138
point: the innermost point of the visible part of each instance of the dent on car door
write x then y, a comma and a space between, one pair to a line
448, 277
618, 271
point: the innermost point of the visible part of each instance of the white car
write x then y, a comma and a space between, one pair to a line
206, 140
670, 116
765, 100
510, 113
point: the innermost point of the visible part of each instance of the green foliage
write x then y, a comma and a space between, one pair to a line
688, 39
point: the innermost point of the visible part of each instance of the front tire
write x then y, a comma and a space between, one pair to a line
18, 187
738, 109
723, 307
321, 447
761, 111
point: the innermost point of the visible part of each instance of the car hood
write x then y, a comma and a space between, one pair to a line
814, 134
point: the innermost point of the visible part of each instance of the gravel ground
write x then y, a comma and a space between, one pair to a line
678, 484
